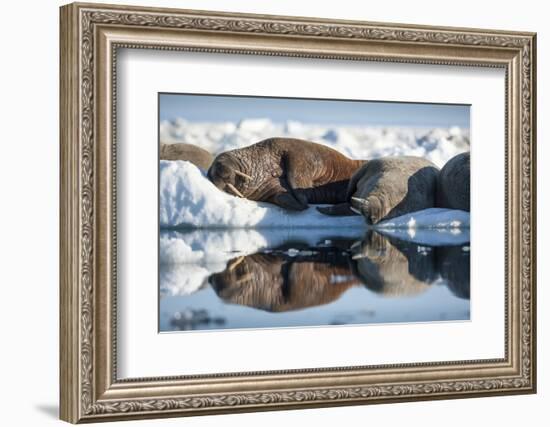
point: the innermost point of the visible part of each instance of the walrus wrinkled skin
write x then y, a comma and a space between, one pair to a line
453, 187
290, 173
388, 187
274, 283
189, 152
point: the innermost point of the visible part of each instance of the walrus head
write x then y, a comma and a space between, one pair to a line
226, 173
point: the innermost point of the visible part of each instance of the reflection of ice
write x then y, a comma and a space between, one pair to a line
219, 246
187, 258
314, 280
188, 319
290, 280
184, 279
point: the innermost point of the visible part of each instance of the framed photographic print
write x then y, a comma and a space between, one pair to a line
267, 212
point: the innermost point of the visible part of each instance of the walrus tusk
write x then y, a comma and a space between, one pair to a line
242, 174
358, 204
356, 245
354, 209
234, 190
235, 263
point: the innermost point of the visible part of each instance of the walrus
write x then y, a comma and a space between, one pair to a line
389, 187
180, 151
392, 267
275, 283
453, 186
287, 172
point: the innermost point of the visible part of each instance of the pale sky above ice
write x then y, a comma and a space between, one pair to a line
216, 108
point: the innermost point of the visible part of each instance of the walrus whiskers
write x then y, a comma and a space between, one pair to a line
234, 190
237, 172
235, 263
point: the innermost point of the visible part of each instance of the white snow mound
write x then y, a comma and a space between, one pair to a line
189, 199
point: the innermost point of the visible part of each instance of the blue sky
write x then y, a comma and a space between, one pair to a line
216, 108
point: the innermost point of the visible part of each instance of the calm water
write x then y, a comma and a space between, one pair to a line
227, 280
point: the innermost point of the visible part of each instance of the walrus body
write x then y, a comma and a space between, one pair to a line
290, 173
388, 187
275, 283
191, 153
453, 187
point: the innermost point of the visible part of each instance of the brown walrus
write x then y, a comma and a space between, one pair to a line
180, 151
388, 187
274, 283
288, 172
453, 186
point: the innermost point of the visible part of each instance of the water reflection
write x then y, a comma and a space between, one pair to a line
300, 283
279, 281
392, 267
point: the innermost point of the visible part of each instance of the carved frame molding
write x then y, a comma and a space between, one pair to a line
90, 37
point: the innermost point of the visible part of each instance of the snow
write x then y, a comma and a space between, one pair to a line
434, 227
189, 199
359, 142
433, 218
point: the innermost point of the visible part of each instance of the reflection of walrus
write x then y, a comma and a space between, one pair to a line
274, 283
393, 268
388, 187
453, 187
288, 172
454, 266
189, 152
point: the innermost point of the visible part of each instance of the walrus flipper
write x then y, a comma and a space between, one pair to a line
354, 180
298, 179
294, 198
289, 202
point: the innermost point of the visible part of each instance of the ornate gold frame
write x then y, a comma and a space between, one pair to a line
90, 36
